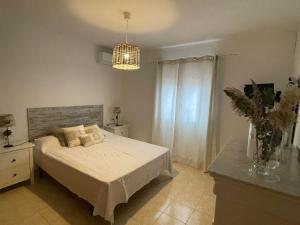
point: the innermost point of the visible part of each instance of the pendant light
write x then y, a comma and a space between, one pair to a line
126, 56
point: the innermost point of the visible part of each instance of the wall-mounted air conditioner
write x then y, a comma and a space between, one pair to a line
105, 58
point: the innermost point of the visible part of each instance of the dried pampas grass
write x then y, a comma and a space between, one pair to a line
280, 117
269, 124
283, 115
240, 102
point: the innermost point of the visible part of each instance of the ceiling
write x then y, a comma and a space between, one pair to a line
155, 23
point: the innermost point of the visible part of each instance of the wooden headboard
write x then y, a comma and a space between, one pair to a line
41, 121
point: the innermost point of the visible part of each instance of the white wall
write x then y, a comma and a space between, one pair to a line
138, 100
42, 68
262, 56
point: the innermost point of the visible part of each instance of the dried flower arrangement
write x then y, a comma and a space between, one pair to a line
269, 123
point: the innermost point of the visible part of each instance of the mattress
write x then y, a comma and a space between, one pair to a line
105, 174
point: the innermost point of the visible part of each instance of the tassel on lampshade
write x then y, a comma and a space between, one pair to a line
117, 111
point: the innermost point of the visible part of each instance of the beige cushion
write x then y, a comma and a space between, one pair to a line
87, 140
60, 135
96, 132
73, 134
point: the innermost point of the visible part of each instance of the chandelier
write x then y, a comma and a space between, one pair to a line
126, 56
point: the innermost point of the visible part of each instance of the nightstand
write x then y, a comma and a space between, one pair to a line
121, 130
16, 164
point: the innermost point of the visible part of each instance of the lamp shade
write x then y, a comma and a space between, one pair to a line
126, 57
7, 120
117, 109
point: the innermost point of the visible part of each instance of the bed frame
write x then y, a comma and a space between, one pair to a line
103, 196
41, 121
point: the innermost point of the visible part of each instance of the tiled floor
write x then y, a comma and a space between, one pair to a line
185, 199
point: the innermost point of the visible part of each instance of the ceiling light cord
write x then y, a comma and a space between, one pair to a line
126, 35
126, 17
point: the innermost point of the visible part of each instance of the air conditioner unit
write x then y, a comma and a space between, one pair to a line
105, 58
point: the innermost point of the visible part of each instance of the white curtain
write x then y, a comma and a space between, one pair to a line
184, 103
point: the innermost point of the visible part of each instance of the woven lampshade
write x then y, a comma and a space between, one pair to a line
126, 57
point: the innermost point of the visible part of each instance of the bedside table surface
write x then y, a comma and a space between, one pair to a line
16, 147
113, 126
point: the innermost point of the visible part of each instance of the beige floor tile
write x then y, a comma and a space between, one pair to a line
9, 217
97, 220
170, 193
207, 205
17, 195
192, 172
61, 221
198, 218
36, 219
50, 215
196, 182
159, 202
187, 198
77, 217
15, 212
128, 221
146, 215
178, 186
179, 211
165, 219
132, 222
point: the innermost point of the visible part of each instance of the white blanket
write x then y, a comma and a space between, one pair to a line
105, 174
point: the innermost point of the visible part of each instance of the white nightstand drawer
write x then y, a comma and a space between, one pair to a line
14, 175
122, 132
15, 158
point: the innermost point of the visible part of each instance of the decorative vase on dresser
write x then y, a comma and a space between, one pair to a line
121, 130
16, 164
269, 120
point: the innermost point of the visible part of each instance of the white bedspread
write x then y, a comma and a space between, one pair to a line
105, 174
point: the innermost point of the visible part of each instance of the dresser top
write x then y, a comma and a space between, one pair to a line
16, 147
232, 163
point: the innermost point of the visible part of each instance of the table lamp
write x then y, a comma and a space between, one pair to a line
117, 111
6, 121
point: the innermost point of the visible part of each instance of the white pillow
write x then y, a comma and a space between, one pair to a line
73, 134
87, 140
45, 143
96, 132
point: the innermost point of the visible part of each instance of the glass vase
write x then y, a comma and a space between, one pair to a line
265, 167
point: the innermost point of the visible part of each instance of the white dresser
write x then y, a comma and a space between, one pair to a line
16, 164
121, 130
246, 200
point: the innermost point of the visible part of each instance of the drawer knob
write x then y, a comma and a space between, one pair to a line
14, 175
13, 160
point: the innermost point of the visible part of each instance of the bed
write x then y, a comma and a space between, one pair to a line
105, 174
